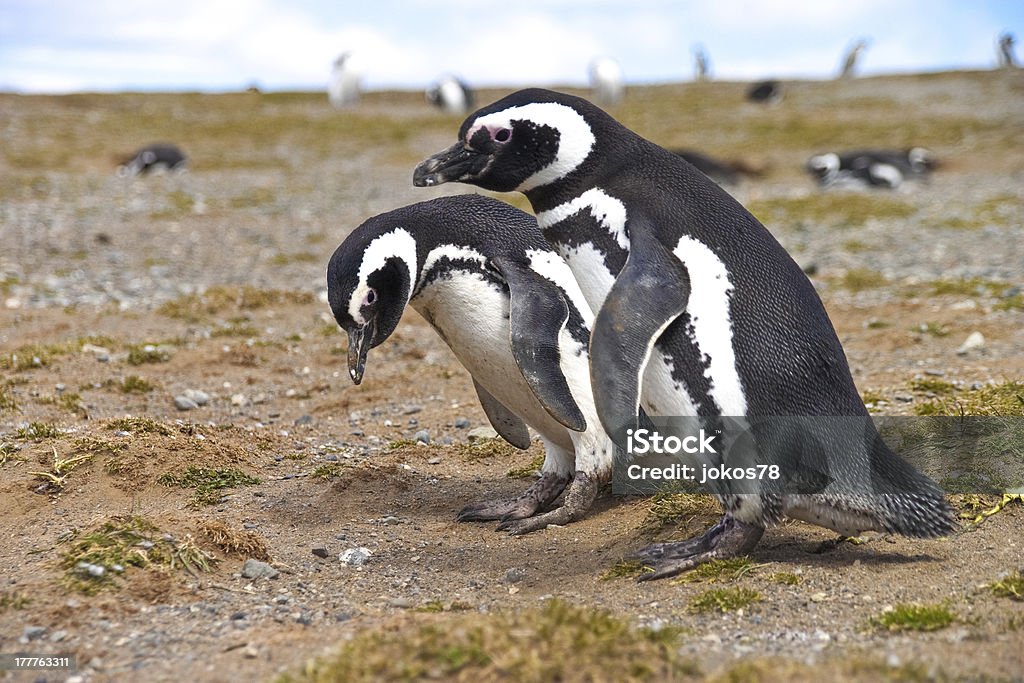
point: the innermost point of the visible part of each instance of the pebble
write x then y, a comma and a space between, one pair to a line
975, 340
304, 420
412, 409
320, 551
92, 569
199, 397
184, 403
514, 575
255, 569
31, 633
434, 461
356, 557
239, 400
422, 436
481, 433
461, 422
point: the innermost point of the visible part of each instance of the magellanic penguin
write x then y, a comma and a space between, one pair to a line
451, 95
480, 272
701, 313
871, 167
157, 157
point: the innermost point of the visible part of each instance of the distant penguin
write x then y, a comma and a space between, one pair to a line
158, 157
765, 92
1007, 60
702, 66
722, 171
606, 81
343, 89
480, 272
451, 95
702, 313
851, 58
871, 168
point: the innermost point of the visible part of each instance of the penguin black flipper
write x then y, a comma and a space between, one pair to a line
508, 425
538, 312
650, 292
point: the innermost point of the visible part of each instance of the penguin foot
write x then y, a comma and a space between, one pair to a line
540, 494
728, 538
578, 499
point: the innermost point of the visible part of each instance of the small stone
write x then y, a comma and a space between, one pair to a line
92, 569
250, 652
819, 597
185, 403
412, 409
390, 520
422, 436
320, 551
200, 398
303, 619
461, 422
434, 461
31, 633
481, 433
904, 398
404, 603
58, 636
355, 557
239, 400
303, 420
975, 340
514, 575
254, 569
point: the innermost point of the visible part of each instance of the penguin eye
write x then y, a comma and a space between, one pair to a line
502, 135
370, 298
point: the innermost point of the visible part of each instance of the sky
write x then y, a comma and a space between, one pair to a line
59, 46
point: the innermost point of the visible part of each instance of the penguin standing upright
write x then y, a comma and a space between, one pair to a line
701, 313
480, 272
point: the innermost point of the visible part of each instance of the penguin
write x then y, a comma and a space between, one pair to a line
1004, 54
482, 275
702, 66
871, 168
606, 81
765, 92
451, 95
702, 314
723, 172
157, 157
344, 86
851, 58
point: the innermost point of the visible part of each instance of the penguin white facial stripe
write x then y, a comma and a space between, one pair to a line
548, 265
607, 210
399, 244
708, 309
887, 173
574, 143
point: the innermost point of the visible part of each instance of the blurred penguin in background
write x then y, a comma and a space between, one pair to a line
343, 90
606, 81
1005, 54
451, 95
701, 63
851, 59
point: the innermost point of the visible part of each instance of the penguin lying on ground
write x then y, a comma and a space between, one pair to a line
765, 92
701, 313
480, 272
872, 168
159, 157
722, 171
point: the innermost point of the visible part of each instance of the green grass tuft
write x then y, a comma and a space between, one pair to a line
989, 400
672, 505
138, 425
527, 471
785, 578
140, 354
207, 483
625, 569
39, 431
724, 600
13, 600
720, 571
133, 384
1012, 586
905, 617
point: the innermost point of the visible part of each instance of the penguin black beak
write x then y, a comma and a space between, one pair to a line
457, 163
359, 340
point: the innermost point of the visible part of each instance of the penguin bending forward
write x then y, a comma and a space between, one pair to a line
701, 312
480, 272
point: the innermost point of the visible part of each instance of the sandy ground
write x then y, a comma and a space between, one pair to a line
91, 257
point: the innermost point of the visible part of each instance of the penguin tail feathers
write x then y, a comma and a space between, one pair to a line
919, 515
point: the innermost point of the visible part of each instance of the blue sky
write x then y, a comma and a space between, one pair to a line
211, 45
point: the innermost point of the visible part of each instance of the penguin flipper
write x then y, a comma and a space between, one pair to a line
538, 312
650, 292
508, 425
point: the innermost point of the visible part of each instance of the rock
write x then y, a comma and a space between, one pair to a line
461, 422
356, 557
404, 603
184, 403
514, 575
320, 551
239, 400
92, 569
412, 409
255, 569
390, 520
200, 398
303, 420
422, 436
481, 433
31, 633
975, 340
434, 461
58, 636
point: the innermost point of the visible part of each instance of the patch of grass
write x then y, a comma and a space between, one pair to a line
13, 600
437, 607
870, 397
527, 471
785, 578
235, 329
8, 452
219, 298
253, 197
329, 470
207, 483
974, 286
95, 560
933, 386
933, 329
66, 400
557, 642
179, 203
904, 617
138, 425
1011, 586
140, 354
831, 208
625, 569
7, 402
725, 570
234, 541
283, 259
486, 448
54, 478
41, 355
859, 279
672, 505
39, 431
855, 246
1010, 303
724, 600
989, 400
133, 384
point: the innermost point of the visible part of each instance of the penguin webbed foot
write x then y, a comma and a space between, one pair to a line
539, 495
729, 537
578, 499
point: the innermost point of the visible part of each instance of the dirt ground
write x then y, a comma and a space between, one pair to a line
220, 271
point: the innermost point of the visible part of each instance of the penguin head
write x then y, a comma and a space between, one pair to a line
823, 166
369, 282
528, 139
